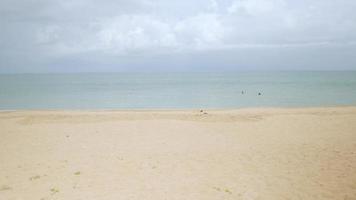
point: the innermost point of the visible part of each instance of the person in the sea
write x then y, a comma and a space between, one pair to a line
259, 94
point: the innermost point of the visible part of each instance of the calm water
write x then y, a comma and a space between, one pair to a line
177, 90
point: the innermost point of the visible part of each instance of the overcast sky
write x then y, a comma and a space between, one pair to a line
176, 35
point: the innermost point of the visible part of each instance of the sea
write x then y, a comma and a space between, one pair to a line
178, 90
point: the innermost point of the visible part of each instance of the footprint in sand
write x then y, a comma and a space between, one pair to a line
228, 191
5, 187
54, 191
34, 177
219, 189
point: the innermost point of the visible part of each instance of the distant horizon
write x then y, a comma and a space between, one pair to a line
153, 72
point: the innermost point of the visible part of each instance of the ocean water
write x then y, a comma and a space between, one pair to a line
176, 90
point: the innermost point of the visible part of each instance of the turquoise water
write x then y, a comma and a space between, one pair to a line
176, 90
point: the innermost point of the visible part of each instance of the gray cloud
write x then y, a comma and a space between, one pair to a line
93, 35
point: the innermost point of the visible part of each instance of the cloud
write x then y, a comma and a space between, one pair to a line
44, 32
126, 34
256, 7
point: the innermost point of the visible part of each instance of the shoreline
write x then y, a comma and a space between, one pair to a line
180, 109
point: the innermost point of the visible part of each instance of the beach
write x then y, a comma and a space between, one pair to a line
252, 153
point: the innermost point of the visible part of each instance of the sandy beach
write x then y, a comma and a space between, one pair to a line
270, 153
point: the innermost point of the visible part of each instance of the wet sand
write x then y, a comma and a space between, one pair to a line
305, 153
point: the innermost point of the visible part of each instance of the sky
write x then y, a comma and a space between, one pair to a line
43, 36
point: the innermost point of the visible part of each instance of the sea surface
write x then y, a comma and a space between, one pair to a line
176, 90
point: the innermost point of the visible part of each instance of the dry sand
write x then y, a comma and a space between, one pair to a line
175, 155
